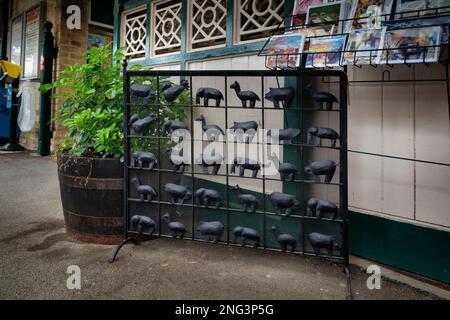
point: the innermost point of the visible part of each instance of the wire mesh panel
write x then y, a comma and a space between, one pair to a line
210, 165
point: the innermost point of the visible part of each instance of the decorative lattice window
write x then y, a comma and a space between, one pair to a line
166, 31
208, 22
256, 18
134, 32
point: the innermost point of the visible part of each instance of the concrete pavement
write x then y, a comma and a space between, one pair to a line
35, 254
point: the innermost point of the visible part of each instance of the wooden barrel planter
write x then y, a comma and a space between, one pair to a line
92, 198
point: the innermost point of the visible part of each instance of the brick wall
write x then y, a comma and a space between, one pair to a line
71, 45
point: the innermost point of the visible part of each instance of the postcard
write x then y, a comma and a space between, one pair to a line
326, 17
417, 23
325, 51
284, 50
414, 45
363, 9
403, 6
364, 46
301, 9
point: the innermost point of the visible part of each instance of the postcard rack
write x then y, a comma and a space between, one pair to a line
405, 20
192, 213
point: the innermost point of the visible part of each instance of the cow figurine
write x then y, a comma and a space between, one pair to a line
322, 133
317, 207
238, 128
322, 241
245, 164
178, 193
283, 95
283, 201
206, 94
212, 229
284, 136
321, 168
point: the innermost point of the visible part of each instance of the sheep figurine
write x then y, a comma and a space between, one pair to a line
283, 201
174, 227
321, 168
321, 98
246, 234
317, 207
178, 193
140, 125
249, 201
172, 93
142, 224
172, 125
211, 229
245, 164
238, 128
322, 241
142, 91
322, 133
139, 159
208, 93
206, 196
146, 193
284, 136
283, 95
245, 96
176, 160
285, 240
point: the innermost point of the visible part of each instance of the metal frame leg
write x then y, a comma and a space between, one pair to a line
116, 251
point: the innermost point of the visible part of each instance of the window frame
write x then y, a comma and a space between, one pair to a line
123, 30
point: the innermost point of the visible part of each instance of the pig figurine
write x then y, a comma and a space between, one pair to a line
283, 95
321, 168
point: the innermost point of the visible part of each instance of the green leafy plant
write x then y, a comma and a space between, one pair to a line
92, 112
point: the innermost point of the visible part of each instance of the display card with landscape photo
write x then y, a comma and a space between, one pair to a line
363, 9
327, 18
325, 51
284, 50
364, 46
414, 45
406, 8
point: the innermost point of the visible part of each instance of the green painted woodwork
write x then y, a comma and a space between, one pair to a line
405, 246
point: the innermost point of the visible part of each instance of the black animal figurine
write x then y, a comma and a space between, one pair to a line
178, 193
285, 240
146, 193
319, 241
322, 133
143, 224
210, 129
172, 93
139, 125
321, 98
165, 85
245, 164
144, 158
245, 96
176, 160
321, 168
283, 201
317, 207
286, 170
208, 93
174, 227
242, 127
249, 202
141, 91
283, 95
284, 136
205, 196
211, 229
246, 234
214, 161
172, 125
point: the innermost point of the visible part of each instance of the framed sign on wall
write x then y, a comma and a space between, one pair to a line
16, 40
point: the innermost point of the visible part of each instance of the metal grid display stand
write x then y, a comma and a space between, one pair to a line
229, 214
